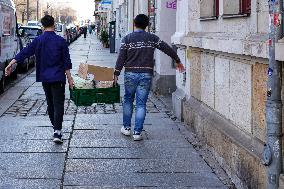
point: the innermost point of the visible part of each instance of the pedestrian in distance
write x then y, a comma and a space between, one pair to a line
85, 30
52, 67
137, 56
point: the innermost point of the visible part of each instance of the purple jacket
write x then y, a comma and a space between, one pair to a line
52, 57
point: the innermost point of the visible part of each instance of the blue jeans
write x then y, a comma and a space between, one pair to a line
139, 84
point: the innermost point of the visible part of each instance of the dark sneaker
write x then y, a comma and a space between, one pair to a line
57, 137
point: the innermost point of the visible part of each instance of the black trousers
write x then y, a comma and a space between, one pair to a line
55, 96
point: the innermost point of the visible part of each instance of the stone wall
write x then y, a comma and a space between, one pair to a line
227, 61
233, 90
233, 87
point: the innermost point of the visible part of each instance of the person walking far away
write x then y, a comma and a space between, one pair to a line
137, 56
52, 67
85, 31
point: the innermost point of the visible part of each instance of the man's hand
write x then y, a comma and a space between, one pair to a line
115, 79
180, 67
8, 70
71, 82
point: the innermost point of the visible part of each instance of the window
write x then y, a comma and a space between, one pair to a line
237, 8
209, 9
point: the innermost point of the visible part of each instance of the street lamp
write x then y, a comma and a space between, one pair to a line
28, 10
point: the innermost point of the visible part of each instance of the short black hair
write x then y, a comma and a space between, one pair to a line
141, 21
47, 21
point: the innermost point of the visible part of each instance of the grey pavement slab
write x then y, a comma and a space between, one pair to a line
17, 132
126, 142
114, 133
147, 152
26, 82
148, 187
33, 146
13, 93
30, 183
114, 119
5, 104
32, 165
194, 165
101, 179
34, 121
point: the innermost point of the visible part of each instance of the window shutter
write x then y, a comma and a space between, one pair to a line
246, 6
217, 8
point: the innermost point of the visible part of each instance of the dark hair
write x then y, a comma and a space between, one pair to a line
141, 21
47, 21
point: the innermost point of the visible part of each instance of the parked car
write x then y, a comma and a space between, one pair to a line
8, 39
31, 31
73, 32
24, 41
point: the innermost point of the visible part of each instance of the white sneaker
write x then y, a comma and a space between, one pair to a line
137, 137
125, 131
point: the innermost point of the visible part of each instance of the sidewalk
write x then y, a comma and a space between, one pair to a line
94, 153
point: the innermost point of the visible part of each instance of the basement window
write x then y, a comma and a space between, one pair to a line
209, 9
236, 8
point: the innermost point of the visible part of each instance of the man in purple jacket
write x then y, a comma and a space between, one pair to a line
137, 56
53, 65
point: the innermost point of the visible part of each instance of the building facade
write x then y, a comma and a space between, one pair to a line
222, 95
162, 15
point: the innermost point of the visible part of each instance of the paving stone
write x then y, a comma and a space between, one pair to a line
126, 142
145, 152
148, 187
32, 165
30, 183
29, 133
138, 166
22, 146
121, 180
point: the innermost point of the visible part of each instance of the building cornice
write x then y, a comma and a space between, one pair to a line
254, 45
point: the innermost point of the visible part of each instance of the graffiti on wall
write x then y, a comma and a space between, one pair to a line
171, 4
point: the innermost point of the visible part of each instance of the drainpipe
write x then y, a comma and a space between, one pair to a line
273, 147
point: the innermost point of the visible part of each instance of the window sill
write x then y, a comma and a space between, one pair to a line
208, 18
228, 16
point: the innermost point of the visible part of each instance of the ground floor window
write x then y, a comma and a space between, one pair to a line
237, 7
209, 9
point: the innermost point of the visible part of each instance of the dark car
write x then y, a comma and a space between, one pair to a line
26, 35
31, 31
24, 41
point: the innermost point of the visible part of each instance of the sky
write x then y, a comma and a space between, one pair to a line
85, 8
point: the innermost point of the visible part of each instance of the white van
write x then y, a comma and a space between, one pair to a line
33, 23
61, 30
9, 44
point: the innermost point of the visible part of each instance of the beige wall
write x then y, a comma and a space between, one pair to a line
227, 62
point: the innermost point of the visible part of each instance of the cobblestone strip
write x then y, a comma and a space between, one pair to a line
38, 107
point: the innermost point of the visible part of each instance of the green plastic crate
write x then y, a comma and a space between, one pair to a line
86, 97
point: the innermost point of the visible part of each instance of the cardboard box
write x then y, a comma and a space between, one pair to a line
100, 73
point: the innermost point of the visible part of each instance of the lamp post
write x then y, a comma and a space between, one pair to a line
28, 10
273, 148
37, 10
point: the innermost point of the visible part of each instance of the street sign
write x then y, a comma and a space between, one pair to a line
105, 6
